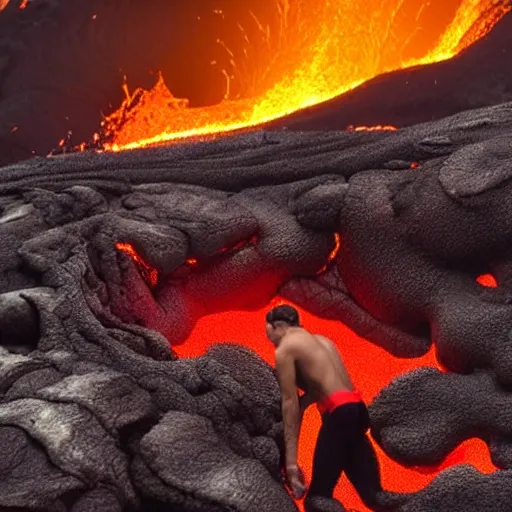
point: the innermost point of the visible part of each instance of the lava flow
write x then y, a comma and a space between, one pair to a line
371, 369
4, 3
319, 51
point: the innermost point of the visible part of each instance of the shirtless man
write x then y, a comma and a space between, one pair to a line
312, 363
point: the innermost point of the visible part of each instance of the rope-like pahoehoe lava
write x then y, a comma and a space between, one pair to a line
96, 412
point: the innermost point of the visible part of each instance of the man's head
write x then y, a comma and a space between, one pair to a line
279, 320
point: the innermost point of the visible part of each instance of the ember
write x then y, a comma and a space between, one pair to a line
372, 128
323, 50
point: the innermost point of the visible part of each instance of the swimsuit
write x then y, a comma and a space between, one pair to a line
337, 399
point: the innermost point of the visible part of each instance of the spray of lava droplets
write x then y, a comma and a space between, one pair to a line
326, 50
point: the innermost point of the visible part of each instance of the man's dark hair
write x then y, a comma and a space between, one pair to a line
287, 314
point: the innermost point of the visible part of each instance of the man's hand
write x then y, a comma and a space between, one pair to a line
295, 479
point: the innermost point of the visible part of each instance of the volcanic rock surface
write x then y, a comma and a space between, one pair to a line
96, 411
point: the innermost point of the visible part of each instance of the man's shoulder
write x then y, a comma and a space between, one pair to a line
294, 341
283, 355
285, 348
323, 338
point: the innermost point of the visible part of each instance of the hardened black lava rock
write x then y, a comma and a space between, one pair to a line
107, 260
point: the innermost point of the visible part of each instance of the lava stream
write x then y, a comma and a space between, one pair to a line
322, 50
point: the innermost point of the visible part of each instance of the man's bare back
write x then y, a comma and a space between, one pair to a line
320, 371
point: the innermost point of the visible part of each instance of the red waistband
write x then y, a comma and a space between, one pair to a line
338, 398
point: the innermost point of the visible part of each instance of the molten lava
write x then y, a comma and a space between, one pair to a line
149, 274
321, 50
487, 280
22, 5
371, 369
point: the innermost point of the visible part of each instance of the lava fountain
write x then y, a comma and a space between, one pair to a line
319, 50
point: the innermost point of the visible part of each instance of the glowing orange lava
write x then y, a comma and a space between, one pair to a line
321, 50
149, 273
487, 280
5, 3
379, 127
371, 369
151, 276
337, 245
333, 253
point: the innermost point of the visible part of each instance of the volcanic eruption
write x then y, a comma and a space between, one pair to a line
247, 66
133, 284
320, 51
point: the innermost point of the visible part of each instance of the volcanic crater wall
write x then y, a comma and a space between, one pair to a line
97, 412
62, 66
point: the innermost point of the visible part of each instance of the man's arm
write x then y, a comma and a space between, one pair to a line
285, 368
